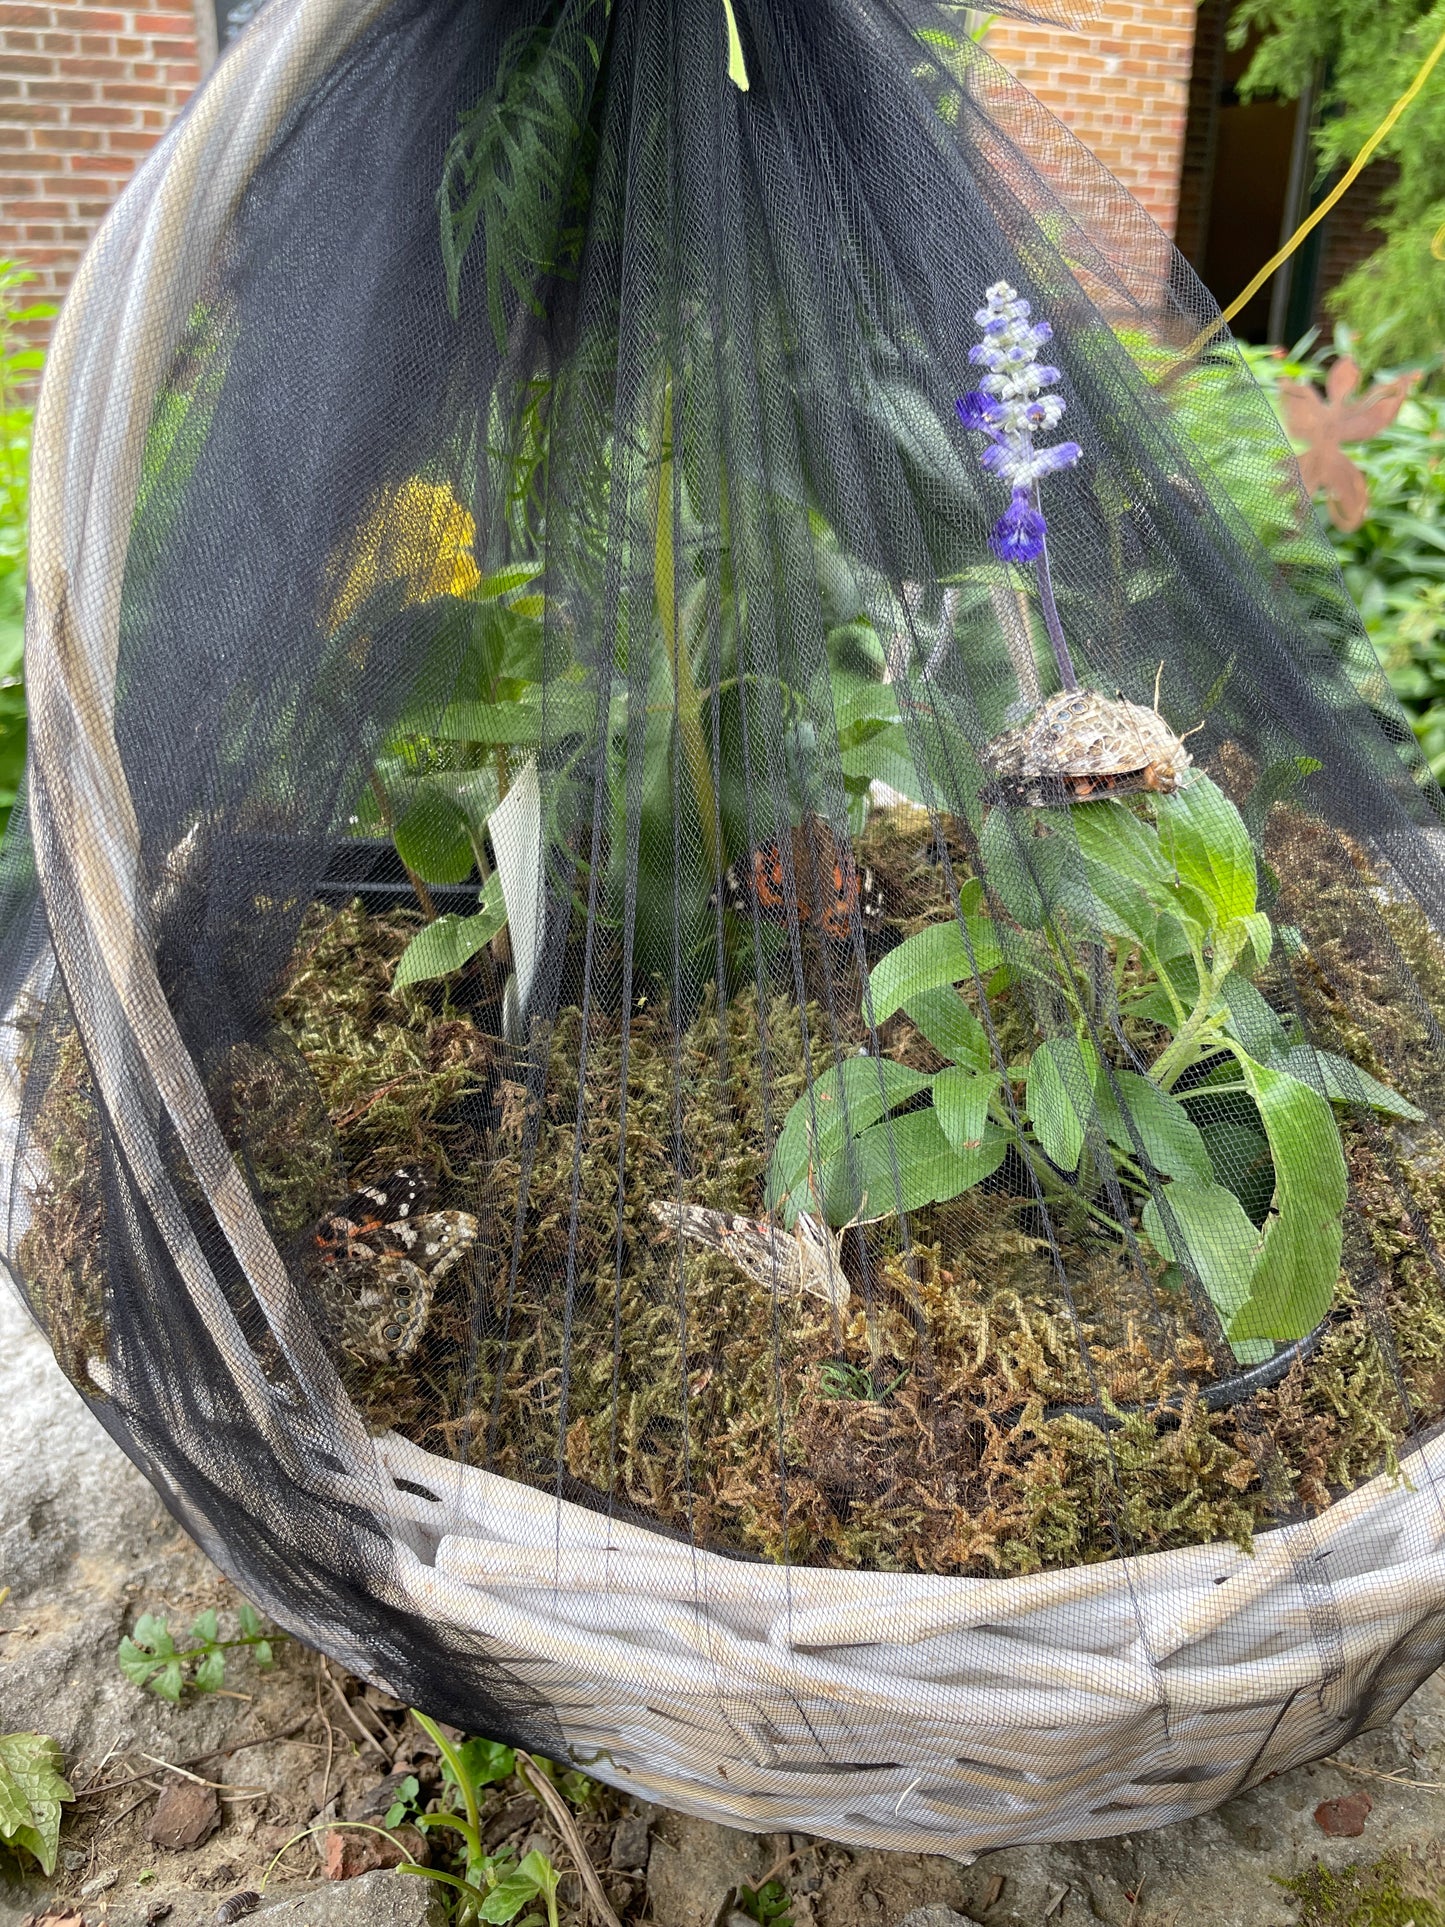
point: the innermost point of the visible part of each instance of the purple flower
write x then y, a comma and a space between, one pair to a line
979, 411
1018, 535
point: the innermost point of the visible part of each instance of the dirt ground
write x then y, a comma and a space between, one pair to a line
85, 1549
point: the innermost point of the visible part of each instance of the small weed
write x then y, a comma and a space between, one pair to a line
404, 1805
151, 1657
1374, 1896
769, 1904
842, 1380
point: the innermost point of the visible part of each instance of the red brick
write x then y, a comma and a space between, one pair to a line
94, 68
94, 20
150, 95
18, 13
163, 23
66, 140
60, 90
118, 164
97, 115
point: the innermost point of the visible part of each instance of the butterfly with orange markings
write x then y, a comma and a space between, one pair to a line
813, 876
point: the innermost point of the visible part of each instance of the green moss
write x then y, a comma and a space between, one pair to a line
1394, 1892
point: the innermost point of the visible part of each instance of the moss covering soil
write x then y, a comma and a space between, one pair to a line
579, 1348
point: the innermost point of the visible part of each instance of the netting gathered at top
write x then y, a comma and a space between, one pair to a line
723, 964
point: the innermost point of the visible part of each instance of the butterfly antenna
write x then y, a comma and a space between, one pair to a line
1158, 683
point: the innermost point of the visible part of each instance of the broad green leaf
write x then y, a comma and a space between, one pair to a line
1216, 1240
904, 1163
950, 1026
1344, 1082
1256, 931
433, 837
1204, 836
844, 1100
1024, 859
1171, 1140
32, 1791
206, 1625
504, 581
508, 1898
1130, 883
961, 1098
486, 1762
514, 723
1060, 1096
441, 947
1294, 1280
1252, 1021
937, 956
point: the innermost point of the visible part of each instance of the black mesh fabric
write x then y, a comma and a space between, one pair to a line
935, 1332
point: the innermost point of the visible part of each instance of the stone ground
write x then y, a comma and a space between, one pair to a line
85, 1548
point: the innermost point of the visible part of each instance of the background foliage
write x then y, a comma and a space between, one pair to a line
1363, 54
19, 363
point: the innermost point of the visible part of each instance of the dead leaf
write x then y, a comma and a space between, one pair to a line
1323, 421
1344, 1818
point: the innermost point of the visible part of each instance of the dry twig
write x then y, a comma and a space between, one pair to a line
536, 1782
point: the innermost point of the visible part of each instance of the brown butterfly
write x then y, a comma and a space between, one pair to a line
818, 875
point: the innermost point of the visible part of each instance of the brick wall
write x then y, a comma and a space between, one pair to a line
85, 91
1122, 85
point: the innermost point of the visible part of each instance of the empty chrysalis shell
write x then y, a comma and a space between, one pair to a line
1080, 744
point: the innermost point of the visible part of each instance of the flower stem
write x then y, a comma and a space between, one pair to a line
1051, 612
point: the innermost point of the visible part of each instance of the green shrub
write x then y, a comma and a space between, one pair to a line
19, 362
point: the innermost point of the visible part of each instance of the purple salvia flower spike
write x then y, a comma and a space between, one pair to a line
1010, 406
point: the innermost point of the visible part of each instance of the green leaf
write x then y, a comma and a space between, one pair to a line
1059, 1095
902, 1164
961, 1099
936, 957
1024, 858
168, 1682
950, 1026
1345, 1083
485, 1762
843, 1101
1217, 1241
1294, 1280
439, 948
1128, 879
262, 1654
151, 1630
1171, 1140
206, 1626
507, 1900
1204, 836
433, 837
248, 1619
32, 1791
1251, 1021
211, 1672
136, 1664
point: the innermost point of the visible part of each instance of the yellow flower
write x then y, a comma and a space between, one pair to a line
417, 533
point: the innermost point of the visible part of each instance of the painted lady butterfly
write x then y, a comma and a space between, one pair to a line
828, 889
382, 1255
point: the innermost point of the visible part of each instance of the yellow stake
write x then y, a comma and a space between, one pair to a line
737, 66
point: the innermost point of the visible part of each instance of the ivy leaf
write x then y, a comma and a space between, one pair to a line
1059, 1094
169, 1681
445, 945
32, 1791
134, 1662
151, 1631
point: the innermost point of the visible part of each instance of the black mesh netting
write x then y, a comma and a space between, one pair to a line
651, 1126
